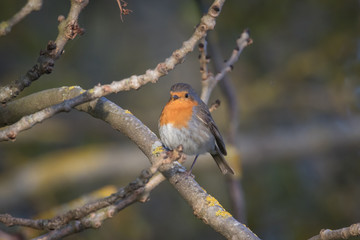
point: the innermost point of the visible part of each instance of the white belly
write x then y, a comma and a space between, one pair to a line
193, 143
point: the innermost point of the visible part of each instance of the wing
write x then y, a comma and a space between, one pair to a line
205, 116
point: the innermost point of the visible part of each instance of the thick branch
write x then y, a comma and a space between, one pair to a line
31, 5
68, 29
205, 207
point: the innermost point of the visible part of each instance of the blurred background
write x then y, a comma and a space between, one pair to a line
298, 90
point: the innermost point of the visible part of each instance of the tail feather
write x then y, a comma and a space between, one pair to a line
222, 164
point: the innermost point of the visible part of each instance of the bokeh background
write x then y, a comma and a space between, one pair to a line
298, 90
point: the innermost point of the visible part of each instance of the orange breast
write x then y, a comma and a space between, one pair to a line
177, 112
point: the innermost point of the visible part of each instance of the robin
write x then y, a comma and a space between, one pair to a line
186, 120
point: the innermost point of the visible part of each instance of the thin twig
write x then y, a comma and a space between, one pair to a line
342, 233
208, 85
93, 220
243, 41
81, 212
214, 105
203, 59
30, 6
123, 10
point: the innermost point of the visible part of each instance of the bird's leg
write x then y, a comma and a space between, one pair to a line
192, 165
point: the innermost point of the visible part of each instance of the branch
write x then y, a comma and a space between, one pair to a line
214, 105
78, 213
31, 5
79, 219
209, 81
203, 59
93, 220
134, 82
235, 157
205, 206
123, 10
68, 29
343, 233
208, 84
139, 192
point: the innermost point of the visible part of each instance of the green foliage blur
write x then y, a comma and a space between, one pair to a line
298, 89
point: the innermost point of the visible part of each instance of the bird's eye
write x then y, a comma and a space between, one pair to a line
186, 95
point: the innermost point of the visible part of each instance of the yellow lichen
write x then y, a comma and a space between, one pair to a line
158, 150
128, 112
223, 213
71, 88
211, 201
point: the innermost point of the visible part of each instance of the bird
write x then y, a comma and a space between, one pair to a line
186, 120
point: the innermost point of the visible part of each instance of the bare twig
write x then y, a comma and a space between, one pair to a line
93, 220
68, 29
343, 233
134, 82
123, 10
31, 5
209, 84
203, 59
243, 41
78, 213
214, 105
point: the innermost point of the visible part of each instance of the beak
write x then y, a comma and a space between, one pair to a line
175, 97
